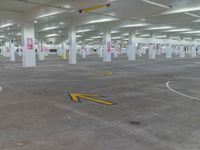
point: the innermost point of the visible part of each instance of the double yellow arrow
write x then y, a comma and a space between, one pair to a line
78, 96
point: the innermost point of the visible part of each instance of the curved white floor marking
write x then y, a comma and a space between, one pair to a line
179, 93
1, 88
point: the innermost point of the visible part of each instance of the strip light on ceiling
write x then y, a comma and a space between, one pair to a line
192, 32
52, 35
145, 35
183, 10
160, 28
49, 14
6, 25
156, 4
177, 30
133, 25
96, 37
101, 20
49, 28
161, 36
84, 30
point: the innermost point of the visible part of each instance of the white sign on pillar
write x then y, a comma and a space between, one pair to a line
12, 51
72, 45
107, 46
132, 46
28, 44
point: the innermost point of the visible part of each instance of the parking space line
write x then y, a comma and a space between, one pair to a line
179, 93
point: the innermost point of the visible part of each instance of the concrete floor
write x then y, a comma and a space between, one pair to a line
36, 112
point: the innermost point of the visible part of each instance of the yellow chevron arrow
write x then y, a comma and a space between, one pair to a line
77, 96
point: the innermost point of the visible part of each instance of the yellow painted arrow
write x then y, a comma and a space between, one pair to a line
77, 96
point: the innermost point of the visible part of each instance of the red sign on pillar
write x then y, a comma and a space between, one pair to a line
29, 43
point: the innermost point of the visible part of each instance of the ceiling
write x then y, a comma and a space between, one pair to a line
145, 17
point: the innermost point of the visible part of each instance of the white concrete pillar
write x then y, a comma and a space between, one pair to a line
28, 43
168, 51
107, 46
41, 55
182, 51
72, 45
132, 46
7, 49
101, 51
194, 52
152, 52
3, 50
83, 51
64, 53
12, 50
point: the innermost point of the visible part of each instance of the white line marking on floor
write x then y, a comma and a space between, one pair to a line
179, 93
1, 88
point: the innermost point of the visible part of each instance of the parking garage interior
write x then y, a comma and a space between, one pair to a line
99, 74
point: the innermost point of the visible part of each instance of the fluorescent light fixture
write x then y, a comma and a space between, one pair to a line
192, 32
181, 10
49, 28
101, 20
126, 39
61, 23
6, 25
96, 37
88, 39
178, 30
18, 34
78, 36
145, 35
115, 32
134, 25
191, 14
117, 37
84, 30
161, 36
160, 28
125, 34
52, 35
175, 37
2, 36
67, 6
156, 4
49, 14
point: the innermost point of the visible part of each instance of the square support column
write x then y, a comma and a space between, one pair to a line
12, 50
41, 55
152, 51
169, 51
64, 53
194, 52
7, 49
28, 45
107, 46
132, 47
72, 45
182, 51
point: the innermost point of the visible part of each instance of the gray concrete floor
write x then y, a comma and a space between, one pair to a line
36, 112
